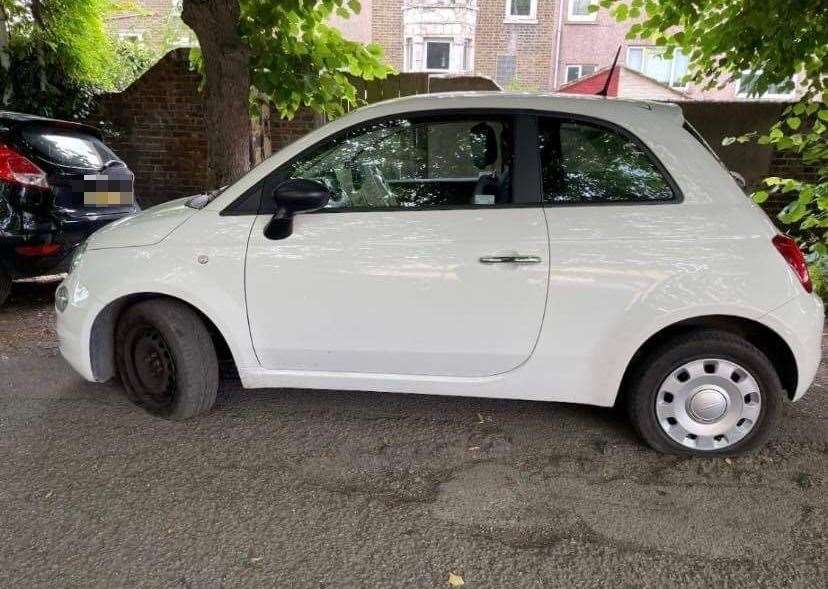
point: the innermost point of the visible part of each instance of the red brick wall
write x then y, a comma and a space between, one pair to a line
386, 29
531, 43
158, 129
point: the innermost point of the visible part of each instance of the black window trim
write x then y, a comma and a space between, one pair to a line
525, 123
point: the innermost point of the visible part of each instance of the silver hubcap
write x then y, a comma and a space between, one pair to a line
708, 404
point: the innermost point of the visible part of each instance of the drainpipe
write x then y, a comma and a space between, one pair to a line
558, 36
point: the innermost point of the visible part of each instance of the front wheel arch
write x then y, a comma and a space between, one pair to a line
763, 337
102, 334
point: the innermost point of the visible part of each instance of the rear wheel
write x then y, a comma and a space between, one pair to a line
166, 359
5, 286
708, 392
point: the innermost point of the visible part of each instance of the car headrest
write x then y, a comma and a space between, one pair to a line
484, 145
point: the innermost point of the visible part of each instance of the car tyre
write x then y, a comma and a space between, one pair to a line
659, 413
166, 359
5, 286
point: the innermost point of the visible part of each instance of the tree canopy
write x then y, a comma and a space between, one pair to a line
56, 54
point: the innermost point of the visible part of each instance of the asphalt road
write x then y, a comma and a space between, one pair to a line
317, 489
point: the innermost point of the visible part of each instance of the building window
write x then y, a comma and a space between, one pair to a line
747, 87
573, 72
579, 11
651, 62
467, 56
521, 10
505, 69
134, 36
438, 54
409, 55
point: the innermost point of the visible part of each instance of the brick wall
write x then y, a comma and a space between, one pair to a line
531, 44
386, 29
157, 127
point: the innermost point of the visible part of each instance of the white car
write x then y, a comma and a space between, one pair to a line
552, 248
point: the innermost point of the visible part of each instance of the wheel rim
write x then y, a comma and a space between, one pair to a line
708, 404
153, 368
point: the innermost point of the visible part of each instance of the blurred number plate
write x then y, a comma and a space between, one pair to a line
103, 191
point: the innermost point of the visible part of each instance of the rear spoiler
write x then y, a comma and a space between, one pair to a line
11, 121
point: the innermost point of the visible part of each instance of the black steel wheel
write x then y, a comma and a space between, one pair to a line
166, 359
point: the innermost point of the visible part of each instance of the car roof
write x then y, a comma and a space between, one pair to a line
12, 120
619, 109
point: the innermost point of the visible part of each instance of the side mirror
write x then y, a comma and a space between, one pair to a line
291, 197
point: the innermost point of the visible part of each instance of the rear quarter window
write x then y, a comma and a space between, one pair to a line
70, 148
584, 163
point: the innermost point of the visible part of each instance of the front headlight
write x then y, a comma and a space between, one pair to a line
77, 257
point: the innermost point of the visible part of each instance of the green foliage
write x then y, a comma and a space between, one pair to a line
297, 59
819, 276
779, 41
56, 57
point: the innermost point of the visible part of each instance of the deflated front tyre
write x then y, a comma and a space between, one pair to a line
166, 359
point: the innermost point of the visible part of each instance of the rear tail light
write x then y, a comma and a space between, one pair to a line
16, 169
46, 249
796, 260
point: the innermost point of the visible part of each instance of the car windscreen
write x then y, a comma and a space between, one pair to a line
71, 148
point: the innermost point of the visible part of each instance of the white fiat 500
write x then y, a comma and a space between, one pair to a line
550, 248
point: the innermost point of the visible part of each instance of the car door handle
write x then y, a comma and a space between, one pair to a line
515, 259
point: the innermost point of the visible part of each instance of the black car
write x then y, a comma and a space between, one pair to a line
58, 183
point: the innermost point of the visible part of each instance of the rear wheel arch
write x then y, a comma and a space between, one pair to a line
102, 334
763, 337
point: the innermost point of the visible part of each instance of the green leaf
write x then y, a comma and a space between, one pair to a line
794, 122
760, 196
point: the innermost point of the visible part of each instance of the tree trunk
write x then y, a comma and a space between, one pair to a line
227, 86
5, 57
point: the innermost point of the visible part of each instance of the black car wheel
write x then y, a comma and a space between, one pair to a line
166, 359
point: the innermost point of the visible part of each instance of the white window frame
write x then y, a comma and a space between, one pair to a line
468, 56
644, 49
774, 95
578, 77
572, 17
532, 17
408, 54
441, 40
580, 68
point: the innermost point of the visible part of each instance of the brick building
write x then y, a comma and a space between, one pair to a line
528, 44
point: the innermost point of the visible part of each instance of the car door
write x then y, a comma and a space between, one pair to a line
431, 257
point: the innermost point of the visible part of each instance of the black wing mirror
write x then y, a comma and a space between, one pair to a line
291, 197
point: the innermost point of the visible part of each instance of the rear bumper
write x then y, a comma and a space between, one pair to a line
70, 234
801, 322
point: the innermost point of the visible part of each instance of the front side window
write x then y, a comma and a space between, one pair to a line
438, 55
582, 162
414, 164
